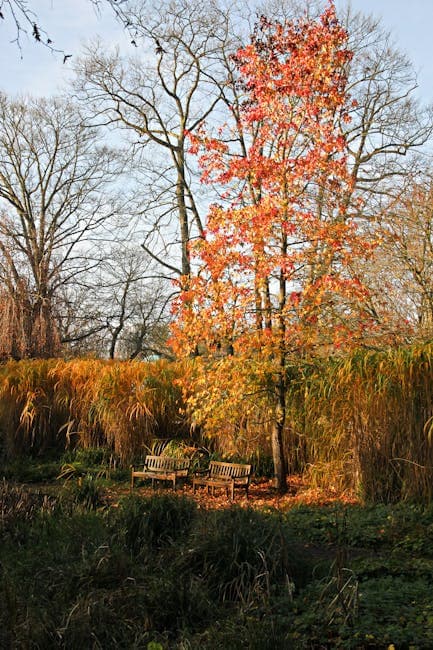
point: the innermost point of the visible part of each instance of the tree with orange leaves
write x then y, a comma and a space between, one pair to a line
273, 275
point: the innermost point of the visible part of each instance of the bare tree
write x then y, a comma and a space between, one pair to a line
138, 316
54, 203
388, 122
170, 90
136, 300
120, 309
402, 272
388, 130
24, 19
186, 77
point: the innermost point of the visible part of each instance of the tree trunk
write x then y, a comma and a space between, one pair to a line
278, 456
183, 214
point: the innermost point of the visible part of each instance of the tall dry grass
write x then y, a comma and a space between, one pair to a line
30, 419
363, 422
366, 422
59, 404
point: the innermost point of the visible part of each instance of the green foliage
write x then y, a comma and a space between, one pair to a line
241, 554
71, 465
158, 572
153, 522
88, 457
18, 507
87, 492
376, 597
31, 470
98, 463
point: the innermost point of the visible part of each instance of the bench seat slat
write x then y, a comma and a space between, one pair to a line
227, 475
163, 468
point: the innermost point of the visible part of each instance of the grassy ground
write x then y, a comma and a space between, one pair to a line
85, 564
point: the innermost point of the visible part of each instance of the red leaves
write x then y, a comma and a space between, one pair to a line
278, 260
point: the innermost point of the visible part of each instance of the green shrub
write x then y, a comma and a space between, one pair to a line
160, 571
86, 491
31, 470
242, 555
154, 522
19, 506
88, 457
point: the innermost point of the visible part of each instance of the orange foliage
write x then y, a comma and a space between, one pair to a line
275, 273
275, 266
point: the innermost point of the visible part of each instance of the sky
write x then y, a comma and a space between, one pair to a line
35, 70
410, 23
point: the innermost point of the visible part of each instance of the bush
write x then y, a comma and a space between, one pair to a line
31, 470
153, 522
87, 492
88, 457
19, 506
242, 554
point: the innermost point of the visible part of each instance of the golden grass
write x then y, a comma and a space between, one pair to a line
88, 403
362, 422
365, 421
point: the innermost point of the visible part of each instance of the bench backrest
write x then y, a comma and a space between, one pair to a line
240, 473
166, 463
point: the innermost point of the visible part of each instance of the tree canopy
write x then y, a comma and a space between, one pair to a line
274, 274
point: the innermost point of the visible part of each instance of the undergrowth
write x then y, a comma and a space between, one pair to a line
159, 572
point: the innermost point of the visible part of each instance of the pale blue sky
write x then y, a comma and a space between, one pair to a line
70, 22
411, 23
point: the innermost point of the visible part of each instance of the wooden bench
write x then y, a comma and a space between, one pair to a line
162, 468
224, 475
